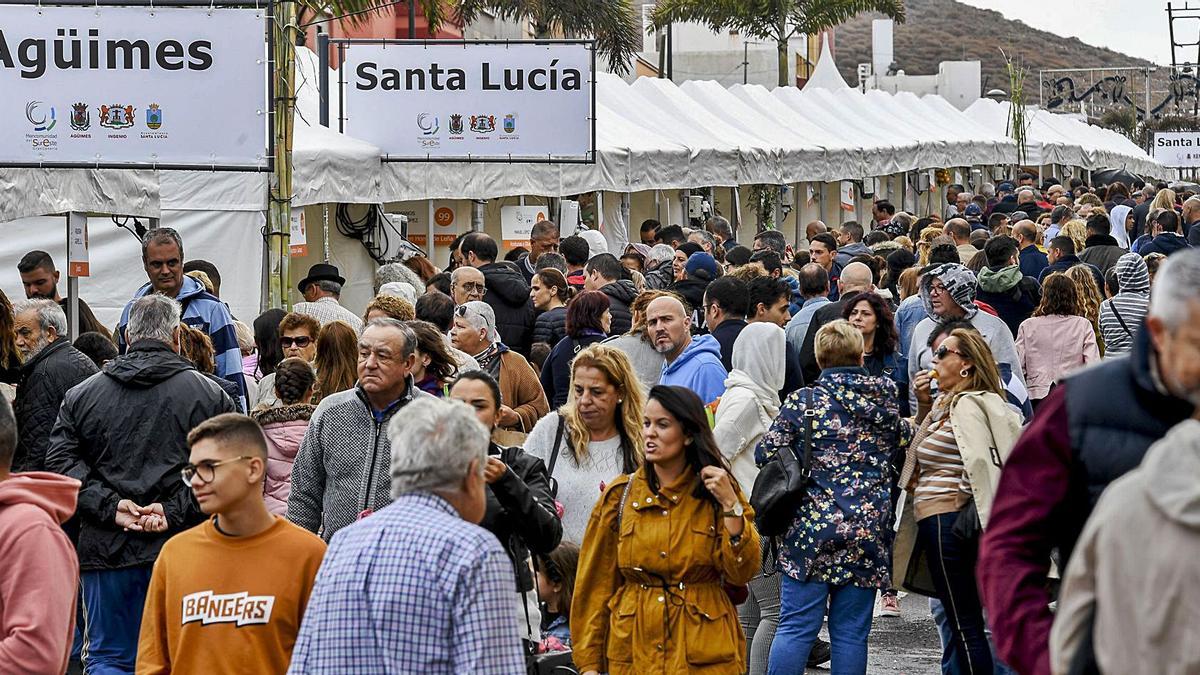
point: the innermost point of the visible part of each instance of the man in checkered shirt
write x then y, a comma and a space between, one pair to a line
418, 587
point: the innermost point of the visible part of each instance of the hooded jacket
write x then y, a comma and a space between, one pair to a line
41, 572
960, 286
698, 367
1140, 543
692, 291
1121, 315
661, 277
1013, 295
621, 293
284, 429
508, 294
1102, 251
751, 399
206, 312
123, 434
1116, 223
520, 511
45, 379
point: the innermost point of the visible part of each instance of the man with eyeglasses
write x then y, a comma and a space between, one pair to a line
123, 434
466, 284
228, 595
297, 339
948, 293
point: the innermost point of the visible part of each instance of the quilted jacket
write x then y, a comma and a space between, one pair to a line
284, 428
45, 379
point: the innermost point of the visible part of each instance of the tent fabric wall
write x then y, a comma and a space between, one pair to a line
231, 240
34, 192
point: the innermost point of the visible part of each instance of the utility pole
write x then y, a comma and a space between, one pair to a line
745, 62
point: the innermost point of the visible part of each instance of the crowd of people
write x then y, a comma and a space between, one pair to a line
554, 457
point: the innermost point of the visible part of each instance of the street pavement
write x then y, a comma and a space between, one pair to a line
904, 645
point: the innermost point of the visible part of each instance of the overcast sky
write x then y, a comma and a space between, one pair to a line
1133, 27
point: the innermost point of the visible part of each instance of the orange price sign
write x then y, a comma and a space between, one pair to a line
444, 216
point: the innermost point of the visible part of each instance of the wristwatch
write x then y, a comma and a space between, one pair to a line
736, 512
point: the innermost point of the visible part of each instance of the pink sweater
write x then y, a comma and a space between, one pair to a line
41, 572
1051, 347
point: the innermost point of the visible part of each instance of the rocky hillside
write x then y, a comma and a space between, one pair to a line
945, 30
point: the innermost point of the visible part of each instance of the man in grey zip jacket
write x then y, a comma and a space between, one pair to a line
341, 469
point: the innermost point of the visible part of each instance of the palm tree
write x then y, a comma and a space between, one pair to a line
611, 23
774, 20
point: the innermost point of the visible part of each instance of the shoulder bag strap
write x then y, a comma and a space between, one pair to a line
810, 417
1113, 306
558, 436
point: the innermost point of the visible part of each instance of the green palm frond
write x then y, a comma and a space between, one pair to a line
611, 23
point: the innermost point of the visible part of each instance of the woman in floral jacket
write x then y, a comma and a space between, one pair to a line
838, 548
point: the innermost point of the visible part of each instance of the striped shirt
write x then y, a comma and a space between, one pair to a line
1118, 337
942, 483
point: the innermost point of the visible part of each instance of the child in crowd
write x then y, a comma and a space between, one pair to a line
555, 585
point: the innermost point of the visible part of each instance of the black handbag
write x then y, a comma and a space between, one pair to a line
781, 482
553, 663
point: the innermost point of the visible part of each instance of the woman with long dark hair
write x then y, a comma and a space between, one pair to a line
658, 546
588, 322
266, 341
435, 366
873, 317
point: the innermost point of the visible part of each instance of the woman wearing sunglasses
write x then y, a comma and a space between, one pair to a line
297, 339
951, 471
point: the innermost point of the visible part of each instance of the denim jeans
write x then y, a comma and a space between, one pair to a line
952, 566
801, 614
950, 651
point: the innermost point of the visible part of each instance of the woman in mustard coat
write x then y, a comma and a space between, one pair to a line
659, 546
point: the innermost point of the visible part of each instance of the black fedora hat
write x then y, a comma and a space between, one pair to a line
321, 272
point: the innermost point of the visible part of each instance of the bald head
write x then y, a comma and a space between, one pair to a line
1025, 232
667, 325
814, 228
856, 278
958, 228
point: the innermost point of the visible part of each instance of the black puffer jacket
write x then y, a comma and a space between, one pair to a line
45, 379
508, 294
520, 511
692, 291
551, 326
124, 436
621, 293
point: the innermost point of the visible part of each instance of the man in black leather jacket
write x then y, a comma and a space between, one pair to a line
520, 504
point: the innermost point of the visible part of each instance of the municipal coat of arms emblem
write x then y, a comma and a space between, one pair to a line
81, 117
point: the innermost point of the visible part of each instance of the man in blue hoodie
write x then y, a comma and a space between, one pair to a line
162, 258
694, 363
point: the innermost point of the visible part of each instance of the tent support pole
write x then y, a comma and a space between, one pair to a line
72, 286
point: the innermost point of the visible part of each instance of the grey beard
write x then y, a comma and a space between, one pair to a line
37, 348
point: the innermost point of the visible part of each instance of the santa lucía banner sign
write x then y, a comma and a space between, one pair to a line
99, 85
470, 100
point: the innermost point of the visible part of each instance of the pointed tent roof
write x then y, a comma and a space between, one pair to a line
826, 75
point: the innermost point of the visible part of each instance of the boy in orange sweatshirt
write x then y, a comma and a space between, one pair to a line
41, 570
227, 595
